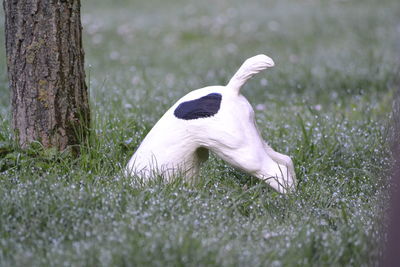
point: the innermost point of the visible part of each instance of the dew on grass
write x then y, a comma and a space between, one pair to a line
124, 29
97, 39
170, 80
264, 82
273, 25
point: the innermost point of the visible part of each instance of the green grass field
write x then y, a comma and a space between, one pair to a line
327, 104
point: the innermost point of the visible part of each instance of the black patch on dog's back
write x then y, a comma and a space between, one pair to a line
202, 107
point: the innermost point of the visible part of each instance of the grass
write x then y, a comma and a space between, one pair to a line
327, 104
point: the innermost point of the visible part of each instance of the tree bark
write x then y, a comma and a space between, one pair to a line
45, 62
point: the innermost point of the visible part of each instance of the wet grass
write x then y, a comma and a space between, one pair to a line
327, 104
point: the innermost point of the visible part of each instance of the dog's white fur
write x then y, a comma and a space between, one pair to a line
177, 147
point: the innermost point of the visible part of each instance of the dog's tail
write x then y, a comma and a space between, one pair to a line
248, 69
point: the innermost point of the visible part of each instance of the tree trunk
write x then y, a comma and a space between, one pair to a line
45, 61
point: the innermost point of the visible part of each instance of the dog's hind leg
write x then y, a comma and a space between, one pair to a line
282, 160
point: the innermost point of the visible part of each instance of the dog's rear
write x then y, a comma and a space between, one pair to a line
216, 118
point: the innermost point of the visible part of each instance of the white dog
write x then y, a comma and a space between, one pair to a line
216, 118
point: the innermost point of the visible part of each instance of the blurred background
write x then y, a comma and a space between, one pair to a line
327, 53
